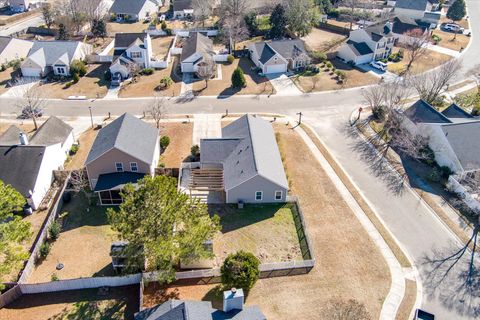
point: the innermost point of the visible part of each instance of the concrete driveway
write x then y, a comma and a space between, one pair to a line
386, 75
284, 85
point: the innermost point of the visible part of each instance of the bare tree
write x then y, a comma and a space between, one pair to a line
157, 109
78, 180
373, 96
202, 10
234, 8
352, 6
133, 69
233, 22
429, 85
415, 46
30, 100
206, 69
337, 309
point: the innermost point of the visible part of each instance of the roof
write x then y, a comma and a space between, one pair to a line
20, 166
52, 131
131, 7
129, 135
49, 52
197, 310
422, 112
379, 30
288, 49
125, 40
432, 15
196, 43
359, 48
180, 5
4, 41
116, 180
11, 136
461, 137
247, 148
403, 24
420, 5
454, 111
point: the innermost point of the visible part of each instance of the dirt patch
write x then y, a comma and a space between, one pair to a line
92, 85
180, 143
323, 40
408, 301
117, 304
83, 246
255, 84
85, 142
429, 60
119, 27
447, 40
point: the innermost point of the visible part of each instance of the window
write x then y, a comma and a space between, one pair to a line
258, 195
278, 195
61, 70
135, 55
119, 166
133, 167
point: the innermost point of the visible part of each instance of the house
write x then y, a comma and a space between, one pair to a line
28, 165
450, 133
423, 10
123, 152
194, 50
403, 25
365, 45
53, 56
279, 56
24, 5
131, 48
182, 9
134, 10
13, 48
233, 309
244, 165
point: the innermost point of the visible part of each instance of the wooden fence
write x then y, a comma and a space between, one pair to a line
334, 28
42, 31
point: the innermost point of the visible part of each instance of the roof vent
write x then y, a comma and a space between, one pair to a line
233, 300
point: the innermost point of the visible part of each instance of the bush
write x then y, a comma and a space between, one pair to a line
54, 277
318, 56
230, 59
74, 149
15, 64
164, 25
434, 176
436, 39
164, 142
78, 67
75, 78
427, 155
240, 270
476, 110
54, 230
195, 150
445, 172
69, 84
166, 82
384, 60
107, 76
44, 250
329, 65
148, 71
3, 68
168, 31
238, 78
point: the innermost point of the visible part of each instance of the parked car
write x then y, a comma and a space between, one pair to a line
26, 114
423, 315
379, 65
452, 27
116, 79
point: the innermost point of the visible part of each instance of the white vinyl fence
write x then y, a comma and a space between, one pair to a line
96, 58
469, 199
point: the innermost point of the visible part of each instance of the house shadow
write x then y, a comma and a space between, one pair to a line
106, 271
342, 66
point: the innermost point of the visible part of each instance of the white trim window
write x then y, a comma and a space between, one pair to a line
278, 195
133, 167
118, 166
258, 195
135, 54
61, 70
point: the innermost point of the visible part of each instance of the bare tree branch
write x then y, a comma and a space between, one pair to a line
157, 110
31, 100
206, 69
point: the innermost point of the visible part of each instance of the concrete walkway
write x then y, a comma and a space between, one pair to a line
397, 289
283, 85
206, 126
18, 91
187, 88
112, 92
443, 50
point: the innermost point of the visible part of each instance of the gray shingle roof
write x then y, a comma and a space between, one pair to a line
359, 48
196, 43
4, 41
20, 165
404, 24
422, 112
463, 141
264, 51
254, 152
125, 40
49, 52
180, 5
378, 31
131, 7
52, 131
454, 111
129, 135
420, 5
288, 49
11, 136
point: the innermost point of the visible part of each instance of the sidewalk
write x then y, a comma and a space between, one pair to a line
443, 50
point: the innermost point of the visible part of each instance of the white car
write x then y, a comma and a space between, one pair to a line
453, 28
379, 65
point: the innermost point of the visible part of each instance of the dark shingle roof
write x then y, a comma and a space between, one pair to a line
52, 131
125, 40
131, 7
129, 135
116, 180
462, 139
180, 5
422, 112
4, 41
454, 111
378, 31
288, 49
20, 165
359, 48
11, 136
196, 43
412, 4
404, 24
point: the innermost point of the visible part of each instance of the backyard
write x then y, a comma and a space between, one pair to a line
323, 40
161, 46
119, 303
118, 27
87, 234
180, 143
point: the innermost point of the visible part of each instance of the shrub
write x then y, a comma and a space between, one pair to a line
54, 230
75, 78
436, 39
78, 67
164, 142
15, 64
434, 176
230, 59
107, 76
384, 60
427, 155
161, 165
68, 84
318, 56
329, 65
445, 172
476, 110
74, 149
238, 78
240, 270
148, 71
195, 150
166, 82
164, 25
54, 277
44, 250
168, 31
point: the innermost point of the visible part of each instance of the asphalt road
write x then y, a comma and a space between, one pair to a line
420, 233
34, 21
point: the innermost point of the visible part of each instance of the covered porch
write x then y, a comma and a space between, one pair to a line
110, 185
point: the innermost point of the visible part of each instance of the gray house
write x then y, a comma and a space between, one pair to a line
134, 10
244, 163
195, 49
123, 152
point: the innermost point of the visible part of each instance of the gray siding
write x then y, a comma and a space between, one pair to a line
246, 191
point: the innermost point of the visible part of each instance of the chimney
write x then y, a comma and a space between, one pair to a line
23, 139
233, 300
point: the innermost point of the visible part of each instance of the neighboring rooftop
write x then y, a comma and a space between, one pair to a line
131, 7
288, 49
359, 48
403, 24
117, 180
180, 5
196, 43
125, 40
423, 112
11, 136
462, 139
50, 52
52, 131
379, 30
455, 112
420, 5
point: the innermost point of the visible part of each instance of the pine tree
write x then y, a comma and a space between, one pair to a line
456, 12
62, 32
238, 79
278, 22
99, 29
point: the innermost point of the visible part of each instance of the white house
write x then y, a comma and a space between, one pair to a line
194, 49
365, 45
13, 48
131, 48
24, 5
53, 56
182, 9
134, 10
28, 165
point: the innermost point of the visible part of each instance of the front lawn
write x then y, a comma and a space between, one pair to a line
5, 78
447, 40
431, 59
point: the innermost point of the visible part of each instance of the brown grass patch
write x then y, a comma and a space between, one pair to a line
160, 46
323, 40
85, 141
180, 143
119, 27
408, 301
429, 60
5, 78
447, 40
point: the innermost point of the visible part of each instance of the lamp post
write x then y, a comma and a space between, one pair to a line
91, 117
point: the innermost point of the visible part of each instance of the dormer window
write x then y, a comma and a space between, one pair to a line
135, 55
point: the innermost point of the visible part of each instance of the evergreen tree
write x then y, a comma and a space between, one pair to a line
251, 22
240, 270
456, 12
62, 32
278, 21
99, 29
238, 79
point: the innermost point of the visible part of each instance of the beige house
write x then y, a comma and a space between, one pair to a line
123, 152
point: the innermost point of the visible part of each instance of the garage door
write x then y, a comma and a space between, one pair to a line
31, 72
276, 68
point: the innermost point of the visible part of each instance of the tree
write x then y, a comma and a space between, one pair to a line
251, 23
202, 10
301, 16
62, 32
238, 78
48, 14
337, 309
456, 12
78, 67
13, 231
157, 110
324, 5
352, 5
278, 21
206, 69
168, 224
99, 28
234, 8
232, 19
30, 101
240, 270
415, 46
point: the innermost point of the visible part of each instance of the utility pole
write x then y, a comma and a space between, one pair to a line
91, 117
300, 114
